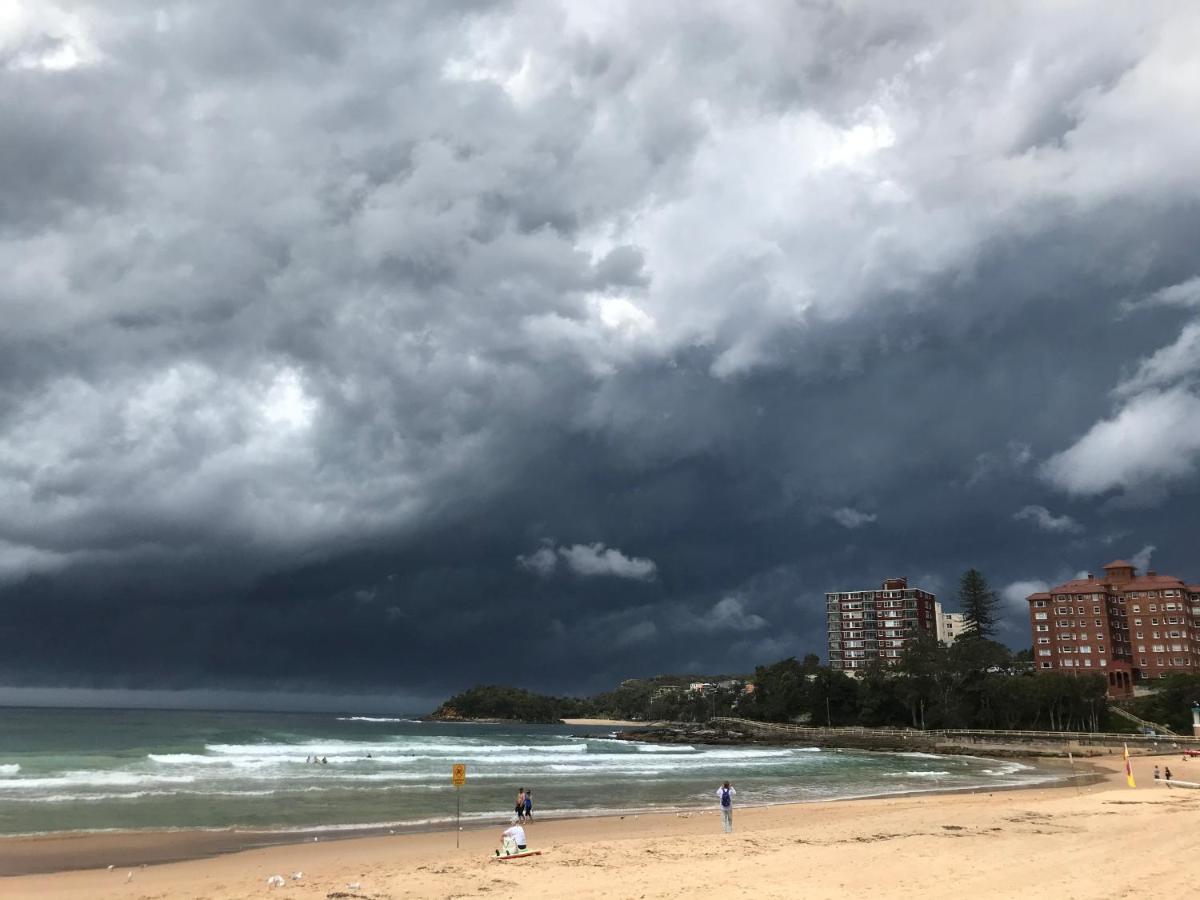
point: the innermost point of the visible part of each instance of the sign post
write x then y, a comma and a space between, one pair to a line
458, 776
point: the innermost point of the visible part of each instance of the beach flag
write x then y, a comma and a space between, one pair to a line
1128, 768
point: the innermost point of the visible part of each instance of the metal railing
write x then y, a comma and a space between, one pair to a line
1050, 736
1143, 723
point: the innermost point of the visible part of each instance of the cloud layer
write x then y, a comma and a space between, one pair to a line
316, 319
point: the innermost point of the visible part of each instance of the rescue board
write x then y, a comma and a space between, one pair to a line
520, 855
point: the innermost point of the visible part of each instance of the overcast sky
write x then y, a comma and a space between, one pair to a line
376, 346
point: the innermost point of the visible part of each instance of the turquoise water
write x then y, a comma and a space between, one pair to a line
68, 770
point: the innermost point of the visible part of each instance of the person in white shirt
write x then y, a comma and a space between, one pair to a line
512, 840
725, 795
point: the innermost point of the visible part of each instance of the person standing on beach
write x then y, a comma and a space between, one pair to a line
1167, 773
528, 805
1156, 773
520, 809
725, 793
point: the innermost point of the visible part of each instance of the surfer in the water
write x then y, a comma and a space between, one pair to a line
512, 840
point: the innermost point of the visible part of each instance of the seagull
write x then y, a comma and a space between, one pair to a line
354, 886
110, 868
296, 876
129, 877
275, 881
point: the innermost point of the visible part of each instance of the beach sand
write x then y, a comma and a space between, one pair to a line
1099, 840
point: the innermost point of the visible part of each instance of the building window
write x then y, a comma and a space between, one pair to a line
1046, 665
1045, 640
1043, 653
1103, 663
1039, 603
1043, 628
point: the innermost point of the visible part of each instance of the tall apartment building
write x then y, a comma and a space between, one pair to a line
876, 625
949, 624
1127, 627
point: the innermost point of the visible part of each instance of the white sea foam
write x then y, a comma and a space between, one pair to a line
375, 719
84, 778
10, 768
916, 774
400, 746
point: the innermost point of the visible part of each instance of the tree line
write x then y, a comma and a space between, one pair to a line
975, 682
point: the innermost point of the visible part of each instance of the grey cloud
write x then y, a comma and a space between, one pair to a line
303, 302
1047, 521
849, 517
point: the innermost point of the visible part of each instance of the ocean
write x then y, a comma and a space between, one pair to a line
84, 770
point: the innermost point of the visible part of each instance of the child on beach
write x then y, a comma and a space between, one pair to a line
528, 805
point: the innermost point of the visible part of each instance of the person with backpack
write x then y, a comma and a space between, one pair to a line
725, 793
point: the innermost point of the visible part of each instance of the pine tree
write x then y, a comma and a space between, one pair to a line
978, 603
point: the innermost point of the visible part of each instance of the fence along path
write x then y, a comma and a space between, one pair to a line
808, 731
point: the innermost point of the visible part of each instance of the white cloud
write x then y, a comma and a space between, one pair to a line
1141, 559
588, 560
1013, 595
730, 614
638, 633
1186, 293
1167, 366
591, 560
852, 518
1154, 437
542, 561
1046, 521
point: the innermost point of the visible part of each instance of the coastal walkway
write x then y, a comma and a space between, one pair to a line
1140, 723
961, 740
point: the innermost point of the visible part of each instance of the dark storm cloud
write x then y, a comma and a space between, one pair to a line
414, 345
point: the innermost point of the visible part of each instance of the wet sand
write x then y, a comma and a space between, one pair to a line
1097, 840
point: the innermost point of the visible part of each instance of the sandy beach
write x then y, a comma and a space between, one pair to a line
1099, 840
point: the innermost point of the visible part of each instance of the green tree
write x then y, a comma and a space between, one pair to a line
780, 690
978, 603
1171, 702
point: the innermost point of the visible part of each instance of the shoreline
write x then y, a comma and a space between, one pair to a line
71, 851
937, 846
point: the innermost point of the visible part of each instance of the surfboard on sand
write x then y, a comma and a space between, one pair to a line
520, 855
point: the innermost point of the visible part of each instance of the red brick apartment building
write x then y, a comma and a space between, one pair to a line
876, 625
1127, 627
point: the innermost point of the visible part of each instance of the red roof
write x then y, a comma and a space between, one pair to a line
1041, 595
1119, 564
1139, 583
